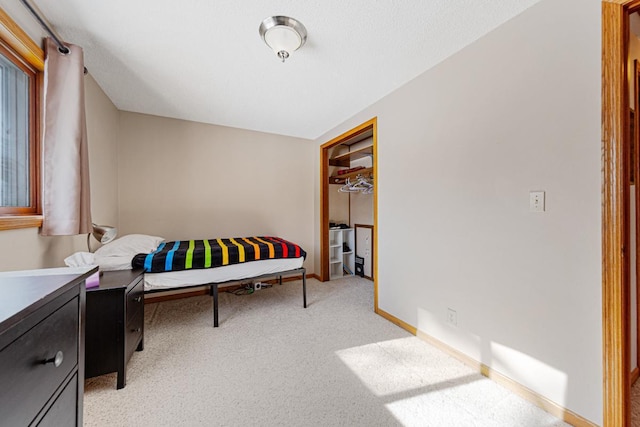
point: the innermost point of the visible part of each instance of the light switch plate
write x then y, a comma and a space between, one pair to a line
536, 201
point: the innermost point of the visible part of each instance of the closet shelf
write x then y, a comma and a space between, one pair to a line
339, 261
345, 159
341, 179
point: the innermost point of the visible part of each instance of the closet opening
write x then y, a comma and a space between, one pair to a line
348, 217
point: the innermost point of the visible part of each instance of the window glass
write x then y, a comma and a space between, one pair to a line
14, 129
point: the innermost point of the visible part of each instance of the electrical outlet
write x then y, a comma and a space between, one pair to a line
452, 317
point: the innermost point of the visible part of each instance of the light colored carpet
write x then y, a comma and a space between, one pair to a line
273, 363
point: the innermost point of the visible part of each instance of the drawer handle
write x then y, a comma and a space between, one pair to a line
138, 299
136, 330
57, 360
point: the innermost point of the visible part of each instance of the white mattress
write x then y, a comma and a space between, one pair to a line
176, 279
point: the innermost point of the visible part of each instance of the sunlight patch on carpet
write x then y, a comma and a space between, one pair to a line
399, 366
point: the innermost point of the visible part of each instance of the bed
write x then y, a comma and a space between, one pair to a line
217, 262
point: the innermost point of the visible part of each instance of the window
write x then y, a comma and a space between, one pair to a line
16, 150
20, 81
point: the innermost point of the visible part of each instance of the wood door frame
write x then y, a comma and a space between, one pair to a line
615, 212
634, 167
370, 125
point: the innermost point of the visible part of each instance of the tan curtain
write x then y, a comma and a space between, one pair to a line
66, 201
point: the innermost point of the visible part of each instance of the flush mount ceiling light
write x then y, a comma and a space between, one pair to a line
283, 35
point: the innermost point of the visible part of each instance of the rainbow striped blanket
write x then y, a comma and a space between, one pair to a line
189, 254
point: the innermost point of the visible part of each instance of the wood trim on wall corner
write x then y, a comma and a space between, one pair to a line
636, 182
376, 181
519, 389
401, 323
537, 399
324, 215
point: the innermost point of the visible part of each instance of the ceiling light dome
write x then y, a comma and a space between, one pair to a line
283, 34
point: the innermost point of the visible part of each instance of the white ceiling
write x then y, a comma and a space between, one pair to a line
203, 60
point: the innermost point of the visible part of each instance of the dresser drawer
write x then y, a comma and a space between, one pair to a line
135, 299
29, 382
133, 334
59, 414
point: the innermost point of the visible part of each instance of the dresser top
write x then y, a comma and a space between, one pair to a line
23, 292
118, 279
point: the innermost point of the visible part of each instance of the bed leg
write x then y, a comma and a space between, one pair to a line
304, 288
280, 280
214, 293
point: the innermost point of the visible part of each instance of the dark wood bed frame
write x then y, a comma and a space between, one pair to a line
213, 287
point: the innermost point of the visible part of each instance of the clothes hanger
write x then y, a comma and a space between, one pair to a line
348, 187
361, 185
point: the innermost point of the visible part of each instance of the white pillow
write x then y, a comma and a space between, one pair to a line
80, 259
106, 263
111, 263
129, 246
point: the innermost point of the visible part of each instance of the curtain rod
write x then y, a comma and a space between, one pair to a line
37, 14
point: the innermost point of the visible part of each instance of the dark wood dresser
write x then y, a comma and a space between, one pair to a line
42, 347
115, 323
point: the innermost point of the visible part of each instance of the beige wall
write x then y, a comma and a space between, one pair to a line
25, 248
338, 205
186, 180
102, 128
517, 111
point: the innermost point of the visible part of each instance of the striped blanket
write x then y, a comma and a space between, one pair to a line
189, 254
